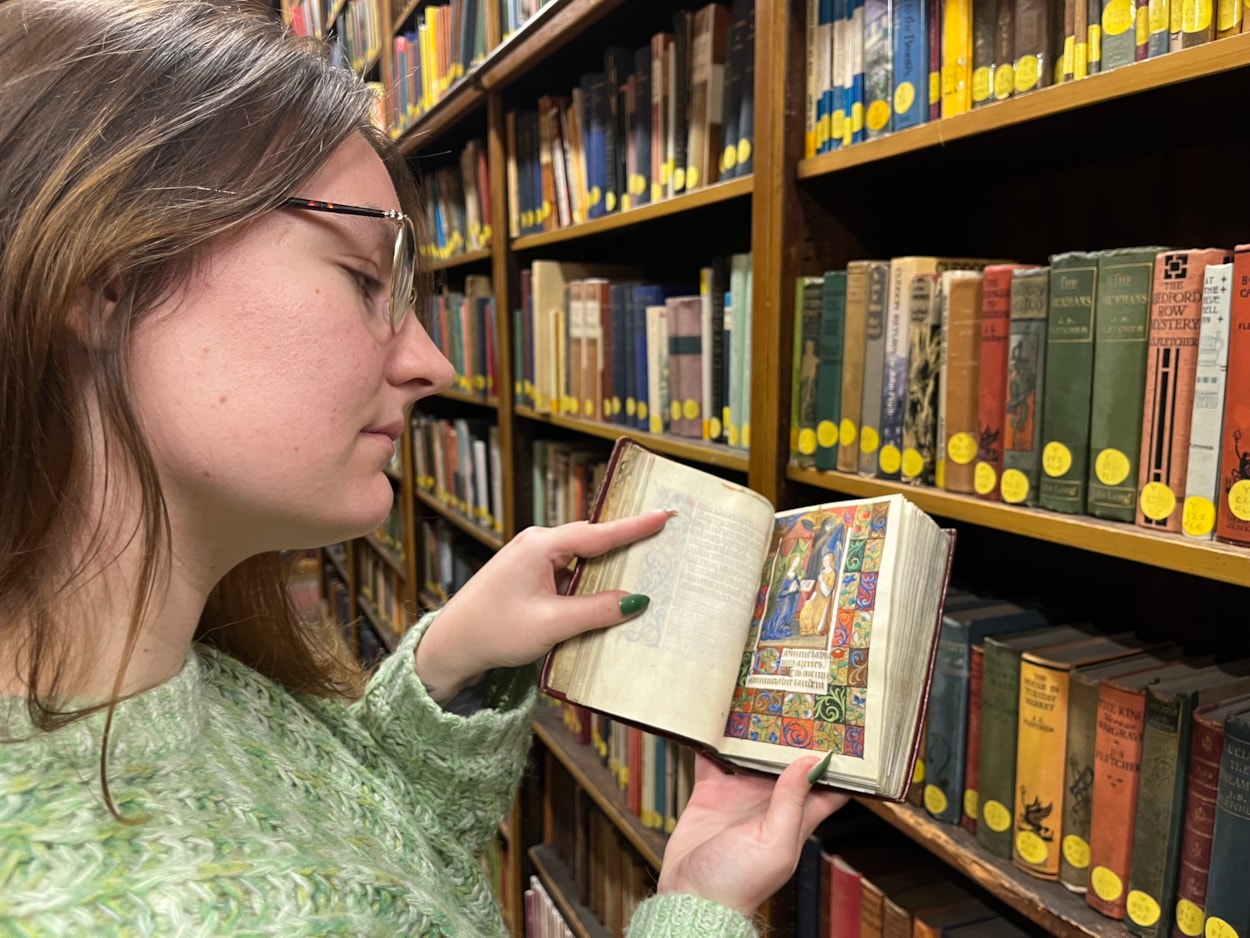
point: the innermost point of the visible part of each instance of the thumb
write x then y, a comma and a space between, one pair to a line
577, 614
785, 816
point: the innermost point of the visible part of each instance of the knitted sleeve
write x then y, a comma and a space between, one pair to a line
675, 915
459, 772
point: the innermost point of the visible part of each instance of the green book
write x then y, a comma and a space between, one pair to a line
829, 375
1121, 330
1069, 381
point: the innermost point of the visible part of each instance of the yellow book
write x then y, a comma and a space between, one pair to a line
956, 57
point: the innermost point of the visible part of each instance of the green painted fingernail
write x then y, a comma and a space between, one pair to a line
819, 769
634, 603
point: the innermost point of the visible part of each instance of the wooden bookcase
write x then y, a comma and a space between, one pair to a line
1149, 153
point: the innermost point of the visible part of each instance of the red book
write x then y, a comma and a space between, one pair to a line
1232, 513
991, 402
972, 761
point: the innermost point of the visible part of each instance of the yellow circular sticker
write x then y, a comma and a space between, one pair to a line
1111, 466
847, 432
690, 410
1107, 885
904, 97
891, 459
917, 773
935, 87
1142, 909
1015, 486
692, 177
1026, 74
984, 479
744, 150
631, 406
970, 802
878, 116
731, 433
1056, 459
961, 448
1076, 851
616, 405
1157, 501
679, 179
1118, 16
996, 816
1031, 848
610, 201
1189, 918
746, 435
934, 799
1004, 81
827, 433
626, 202
1195, 16
715, 427
807, 441
939, 473
657, 192
1239, 500
674, 410
981, 83
1198, 516
913, 463
656, 424
588, 408
869, 440
729, 159
1218, 928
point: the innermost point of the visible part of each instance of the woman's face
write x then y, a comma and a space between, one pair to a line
271, 385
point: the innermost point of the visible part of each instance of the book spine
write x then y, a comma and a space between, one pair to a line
992, 378
1040, 744
805, 365
1175, 322
1228, 900
1121, 327
1232, 516
972, 758
1069, 381
999, 718
1078, 782
911, 62
829, 375
923, 360
1026, 367
947, 717
1202, 778
854, 337
878, 68
961, 379
874, 366
894, 368
1202, 475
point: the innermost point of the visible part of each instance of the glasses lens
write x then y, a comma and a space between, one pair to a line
403, 267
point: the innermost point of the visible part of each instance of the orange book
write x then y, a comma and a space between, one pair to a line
1232, 513
992, 377
1172, 361
961, 349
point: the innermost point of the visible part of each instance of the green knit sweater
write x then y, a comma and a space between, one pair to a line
271, 813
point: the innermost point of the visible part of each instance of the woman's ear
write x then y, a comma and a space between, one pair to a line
92, 311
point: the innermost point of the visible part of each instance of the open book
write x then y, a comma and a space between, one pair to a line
769, 636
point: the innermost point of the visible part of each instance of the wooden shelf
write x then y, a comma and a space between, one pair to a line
1210, 59
405, 11
559, 884
428, 600
387, 553
460, 260
339, 566
488, 538
465, 397
545, 33
1060, 912
689, 201
1210, 559
710, 454
390, 638
583, 764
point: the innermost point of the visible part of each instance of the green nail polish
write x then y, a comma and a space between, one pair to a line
634, 603
819, 769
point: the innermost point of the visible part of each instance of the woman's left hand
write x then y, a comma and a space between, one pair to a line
512, 611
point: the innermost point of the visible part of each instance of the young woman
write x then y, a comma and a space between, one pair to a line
206, 292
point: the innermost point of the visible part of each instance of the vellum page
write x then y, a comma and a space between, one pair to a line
835, 657
674, 666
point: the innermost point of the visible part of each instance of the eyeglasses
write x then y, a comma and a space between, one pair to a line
404, 262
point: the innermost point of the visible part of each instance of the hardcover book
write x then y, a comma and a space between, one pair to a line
770, 636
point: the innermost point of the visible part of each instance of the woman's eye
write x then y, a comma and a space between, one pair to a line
369, 286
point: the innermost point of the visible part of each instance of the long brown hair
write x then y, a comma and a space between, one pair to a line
131, 135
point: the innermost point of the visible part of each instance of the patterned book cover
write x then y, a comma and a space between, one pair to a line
1026, 366
924, 349
1175, 322
878, 68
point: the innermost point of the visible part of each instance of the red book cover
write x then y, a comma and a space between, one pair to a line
1232, 513
992, 385
1171, 364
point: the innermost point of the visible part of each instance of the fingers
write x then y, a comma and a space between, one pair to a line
599, 610
794, 808
582, 539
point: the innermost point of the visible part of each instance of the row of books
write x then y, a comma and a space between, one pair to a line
516, 13
448, 558
458, 206
542, 917
390, 533
431, 55
463, 326
1095, 760
564, 480
670, 117
597, 342
381, 585
459, 463
857, 878
877, 66
1096, 384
